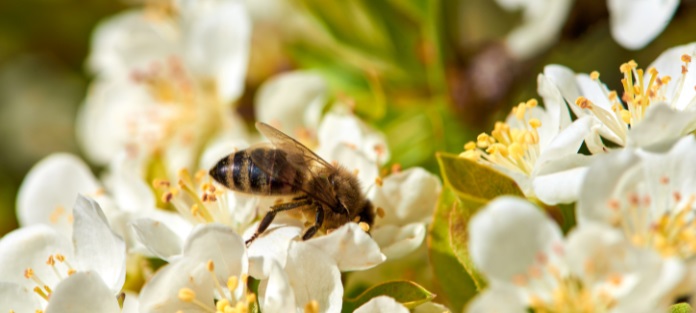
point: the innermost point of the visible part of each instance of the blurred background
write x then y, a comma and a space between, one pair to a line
430, 74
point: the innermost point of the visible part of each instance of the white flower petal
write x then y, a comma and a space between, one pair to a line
381, 304
669, 63
497, 299
542, 23
314, 276
561, 180
661, 124
131, 303
15, 298
97, 247
220, 244
216, 42
291, 101
398, 241
506, 237
564, 79
636, 23
127, 186
406, 197
602, 179
105, 121
130, 40
83, 292
30, 247
160, 294
158, 238
554, 103
568, 141
338, 128
598, 245
431, 307
49, 191
271, 246
275, 292
350, 247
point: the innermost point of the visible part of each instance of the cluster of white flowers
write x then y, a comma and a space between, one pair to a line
154, 232
159, 115
633, 184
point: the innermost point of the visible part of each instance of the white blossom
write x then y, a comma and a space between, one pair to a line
47, 270
655, 107
537, 147
529, 265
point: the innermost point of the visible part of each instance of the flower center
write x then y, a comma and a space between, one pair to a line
232, 297
59, 266
513, 148
199, 200
548, 290
671, 233
636, 98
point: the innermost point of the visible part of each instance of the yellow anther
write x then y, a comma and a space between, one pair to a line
364, 226
186, 295
531, 103
312, 307
483, 141
516, 150
594, 75
497, 148
28, 273
71, 271
520, 111
60, 257
251, 298
160, 183
167, 197
232, 283
470, 146
470, 155
222, 304
686, 58
612, 95
210, 266
378, 181
626, 116
534, 123
652, 71
195, 210
241, 307
380, 212
583, 103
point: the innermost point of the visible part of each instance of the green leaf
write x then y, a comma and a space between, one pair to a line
454, 281
680, 308
407, 293
469, 179
459, 236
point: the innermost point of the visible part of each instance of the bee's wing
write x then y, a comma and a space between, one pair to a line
296, 155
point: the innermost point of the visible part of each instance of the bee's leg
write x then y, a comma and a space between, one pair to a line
318, 221
268, 218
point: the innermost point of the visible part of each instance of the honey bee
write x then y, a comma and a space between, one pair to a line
287, 168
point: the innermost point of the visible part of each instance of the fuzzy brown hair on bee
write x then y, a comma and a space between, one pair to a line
287, 168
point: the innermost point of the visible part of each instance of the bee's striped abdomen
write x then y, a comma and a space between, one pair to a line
271, 175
